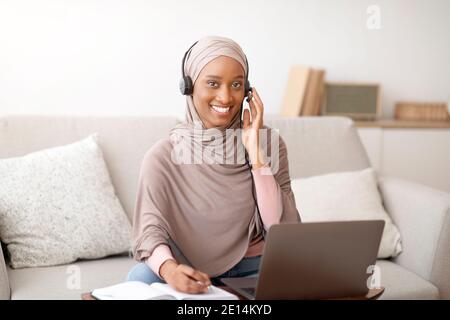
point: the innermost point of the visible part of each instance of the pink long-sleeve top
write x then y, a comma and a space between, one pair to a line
270, 207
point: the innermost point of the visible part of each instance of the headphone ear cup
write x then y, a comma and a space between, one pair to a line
247, 88
186, 87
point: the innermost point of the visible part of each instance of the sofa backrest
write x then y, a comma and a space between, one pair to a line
123, 140
316, 145
320, 145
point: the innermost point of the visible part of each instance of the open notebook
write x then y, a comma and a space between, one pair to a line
136, 290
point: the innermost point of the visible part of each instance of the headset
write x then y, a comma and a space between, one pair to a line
187, 88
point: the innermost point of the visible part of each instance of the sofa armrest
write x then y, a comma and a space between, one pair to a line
5, 291
423, 216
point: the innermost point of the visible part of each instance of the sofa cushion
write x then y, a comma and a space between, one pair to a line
68, 281
400, 283
58, 205
346, 196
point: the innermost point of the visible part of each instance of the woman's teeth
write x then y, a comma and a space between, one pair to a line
221, 109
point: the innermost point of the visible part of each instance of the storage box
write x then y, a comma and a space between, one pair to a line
360, 101
432, 111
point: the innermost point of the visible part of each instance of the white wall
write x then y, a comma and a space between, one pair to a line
96, 57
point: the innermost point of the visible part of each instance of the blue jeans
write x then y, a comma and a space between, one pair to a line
247, 267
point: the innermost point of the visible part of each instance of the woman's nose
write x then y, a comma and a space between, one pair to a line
225, 97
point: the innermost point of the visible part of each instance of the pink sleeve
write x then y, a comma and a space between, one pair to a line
159, 255
268, 196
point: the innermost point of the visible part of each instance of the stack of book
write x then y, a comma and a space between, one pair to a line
304, 92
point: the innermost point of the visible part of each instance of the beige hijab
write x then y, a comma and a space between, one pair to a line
206, 208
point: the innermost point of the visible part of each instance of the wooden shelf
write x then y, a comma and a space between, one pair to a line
388, 123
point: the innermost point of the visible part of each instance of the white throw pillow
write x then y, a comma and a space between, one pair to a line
346, 196
59, 205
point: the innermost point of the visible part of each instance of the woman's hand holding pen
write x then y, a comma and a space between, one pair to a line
250, 132
184, 278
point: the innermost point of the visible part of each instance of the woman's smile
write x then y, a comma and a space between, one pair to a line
221, 110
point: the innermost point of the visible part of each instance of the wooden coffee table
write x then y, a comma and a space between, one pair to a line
373, 294
88, 295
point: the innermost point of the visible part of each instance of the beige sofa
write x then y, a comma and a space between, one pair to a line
316, 146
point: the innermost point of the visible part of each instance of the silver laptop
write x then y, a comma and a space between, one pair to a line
322, 260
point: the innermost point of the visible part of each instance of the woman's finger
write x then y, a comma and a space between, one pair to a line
192, 286
259, 104
201, 277
206, 278
186, 269
253, 109
192, 273
189, 272
246, 118
257, 115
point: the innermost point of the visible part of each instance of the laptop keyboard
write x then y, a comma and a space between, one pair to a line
249, 290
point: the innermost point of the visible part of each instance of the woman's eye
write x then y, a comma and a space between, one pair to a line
214, 84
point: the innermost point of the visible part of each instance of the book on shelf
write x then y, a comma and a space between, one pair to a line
295, 91
136, 290
304, 92
314, 93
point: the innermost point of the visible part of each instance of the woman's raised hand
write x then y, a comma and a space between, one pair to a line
250, 132
184, 278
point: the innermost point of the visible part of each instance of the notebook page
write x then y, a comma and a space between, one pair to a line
130, 290
214, 293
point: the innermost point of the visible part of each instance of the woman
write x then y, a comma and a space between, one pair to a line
197, 218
